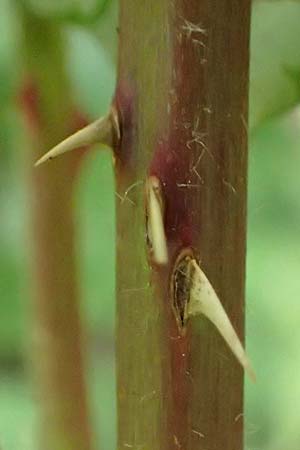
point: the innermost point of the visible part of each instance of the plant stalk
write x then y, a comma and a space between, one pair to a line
182, 95
57, 351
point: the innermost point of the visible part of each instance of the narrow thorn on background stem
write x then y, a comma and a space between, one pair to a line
204, 300
155, 221
102, 131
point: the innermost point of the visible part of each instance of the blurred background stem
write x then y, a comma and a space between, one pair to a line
57, 349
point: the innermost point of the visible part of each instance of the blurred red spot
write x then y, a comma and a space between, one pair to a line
29, 101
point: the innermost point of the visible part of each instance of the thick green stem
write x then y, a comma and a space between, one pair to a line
182, 94
57, 346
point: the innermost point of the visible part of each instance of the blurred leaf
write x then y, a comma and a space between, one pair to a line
106, 30
90, 70
102, 383
13, 238
79, 11
8, 54
273, 285
18, 412
275, 59
95, 198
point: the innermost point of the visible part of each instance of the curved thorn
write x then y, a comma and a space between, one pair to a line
156, 231
204, 300
100, 131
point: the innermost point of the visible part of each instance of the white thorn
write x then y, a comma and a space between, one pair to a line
156, 231
204, 300
100, 131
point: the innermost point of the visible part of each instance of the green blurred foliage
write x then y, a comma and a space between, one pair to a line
275, 59
76, 11
273, 283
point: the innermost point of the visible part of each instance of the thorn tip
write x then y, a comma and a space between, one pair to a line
102, 131
204, 300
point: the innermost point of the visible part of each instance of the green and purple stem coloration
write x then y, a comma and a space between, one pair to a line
182, 95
